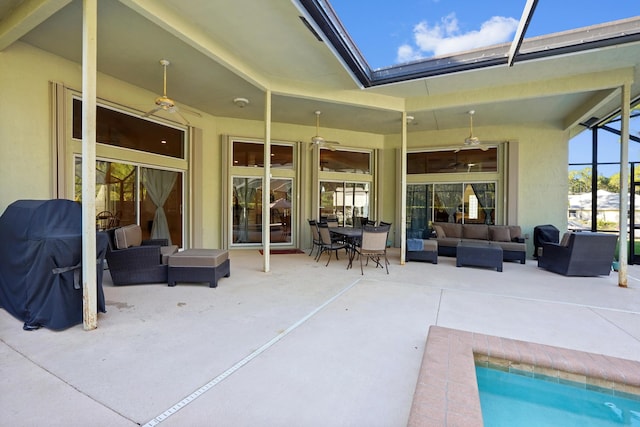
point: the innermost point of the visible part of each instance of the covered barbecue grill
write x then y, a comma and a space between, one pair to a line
40, 263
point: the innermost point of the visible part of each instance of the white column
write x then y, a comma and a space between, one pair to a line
624, 183
89, 70
403, 190
266, 184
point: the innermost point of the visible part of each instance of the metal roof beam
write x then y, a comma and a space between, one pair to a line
527, 14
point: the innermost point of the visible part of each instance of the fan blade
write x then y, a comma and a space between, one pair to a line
184, 119
151, 112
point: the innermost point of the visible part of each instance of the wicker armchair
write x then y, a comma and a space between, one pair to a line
580, 254
132, 260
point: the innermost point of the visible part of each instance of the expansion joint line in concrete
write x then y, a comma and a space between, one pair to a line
199, 392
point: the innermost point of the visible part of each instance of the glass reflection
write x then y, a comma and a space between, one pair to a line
247, 210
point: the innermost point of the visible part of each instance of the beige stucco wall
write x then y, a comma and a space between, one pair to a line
25, 167
26, 155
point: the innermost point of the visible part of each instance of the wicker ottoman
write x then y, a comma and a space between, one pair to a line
199, 265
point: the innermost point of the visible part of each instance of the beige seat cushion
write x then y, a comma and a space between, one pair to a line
429, 245
128, 236
198, 258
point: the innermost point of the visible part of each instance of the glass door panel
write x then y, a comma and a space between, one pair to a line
247, 210
479, 203
117, 201
115, 193
419, 212
447, 202
161, 205
344, 201
634, 226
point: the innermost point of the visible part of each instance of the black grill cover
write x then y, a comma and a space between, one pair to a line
544, 234
40, 263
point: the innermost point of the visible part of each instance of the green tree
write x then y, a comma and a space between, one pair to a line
580, 181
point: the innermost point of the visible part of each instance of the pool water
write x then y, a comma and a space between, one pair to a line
514, 400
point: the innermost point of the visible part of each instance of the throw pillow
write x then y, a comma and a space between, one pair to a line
500, 234
439, 232
128, 236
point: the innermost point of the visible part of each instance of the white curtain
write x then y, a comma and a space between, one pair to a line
159, 184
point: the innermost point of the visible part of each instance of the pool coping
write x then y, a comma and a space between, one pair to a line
447, 391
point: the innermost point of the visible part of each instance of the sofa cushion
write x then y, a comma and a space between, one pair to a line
440, 234
475, 231
515, 231
499, 234
451, 229
128, 236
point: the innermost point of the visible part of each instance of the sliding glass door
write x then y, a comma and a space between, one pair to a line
247, 210
466, 203
132, 194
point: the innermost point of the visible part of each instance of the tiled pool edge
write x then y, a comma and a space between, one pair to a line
447, 392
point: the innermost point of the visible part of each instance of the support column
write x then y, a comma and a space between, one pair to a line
266, 185
624, 184
403, 190
89, 71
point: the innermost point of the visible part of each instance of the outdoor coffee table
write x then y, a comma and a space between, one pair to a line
479, 254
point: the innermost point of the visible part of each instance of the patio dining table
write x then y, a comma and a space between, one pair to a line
351, 235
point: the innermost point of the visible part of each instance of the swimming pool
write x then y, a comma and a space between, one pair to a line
509, 399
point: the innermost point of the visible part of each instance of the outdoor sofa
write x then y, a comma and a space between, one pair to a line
508, 237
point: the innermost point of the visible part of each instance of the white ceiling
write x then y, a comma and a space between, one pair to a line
223, 50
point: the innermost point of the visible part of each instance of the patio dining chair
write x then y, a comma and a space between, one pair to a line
327, 244
373, 246
316, 242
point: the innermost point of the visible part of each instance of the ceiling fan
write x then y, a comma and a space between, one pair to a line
163, 102
472, 141
319, 141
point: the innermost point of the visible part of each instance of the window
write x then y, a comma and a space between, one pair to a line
465, 161
344, 201
467, 203
345, 161
127, 131
251, 154
246, 167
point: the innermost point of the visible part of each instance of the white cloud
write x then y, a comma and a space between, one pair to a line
445, 37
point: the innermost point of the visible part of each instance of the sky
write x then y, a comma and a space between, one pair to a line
390, 32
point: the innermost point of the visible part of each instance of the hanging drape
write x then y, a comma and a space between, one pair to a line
159, 184
485, 199
450, 197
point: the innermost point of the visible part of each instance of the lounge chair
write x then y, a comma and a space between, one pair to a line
580, 254
132, 260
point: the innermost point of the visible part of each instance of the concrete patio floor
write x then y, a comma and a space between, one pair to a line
303, 345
